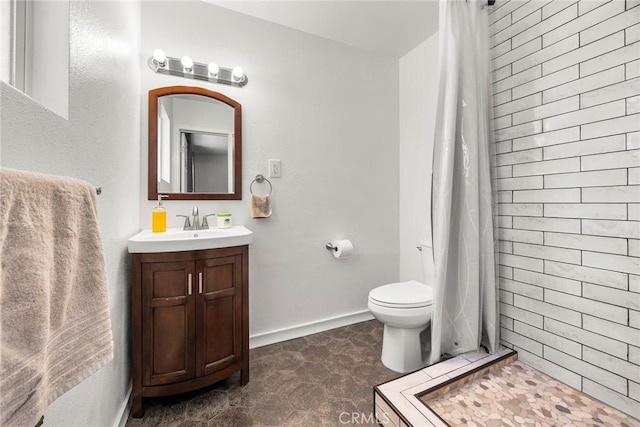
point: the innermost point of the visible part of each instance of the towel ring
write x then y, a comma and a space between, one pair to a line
260, 179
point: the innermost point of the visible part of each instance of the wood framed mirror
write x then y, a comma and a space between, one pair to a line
195, 144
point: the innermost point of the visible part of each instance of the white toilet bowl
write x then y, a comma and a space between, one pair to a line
405, 309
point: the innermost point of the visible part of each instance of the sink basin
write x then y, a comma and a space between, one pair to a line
177, 239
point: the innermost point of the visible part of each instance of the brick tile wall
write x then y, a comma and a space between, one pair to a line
566, 102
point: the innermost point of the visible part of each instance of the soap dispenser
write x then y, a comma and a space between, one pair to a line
159, 217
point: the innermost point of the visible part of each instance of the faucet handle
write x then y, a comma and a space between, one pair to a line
187, 223
205, 223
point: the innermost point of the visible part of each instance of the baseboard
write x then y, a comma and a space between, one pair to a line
125, 408
272, 337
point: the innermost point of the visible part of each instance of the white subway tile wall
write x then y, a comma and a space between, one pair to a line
567, 130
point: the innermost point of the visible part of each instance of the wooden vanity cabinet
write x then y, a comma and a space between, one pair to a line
190, 321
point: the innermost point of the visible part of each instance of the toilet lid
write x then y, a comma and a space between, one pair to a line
409, 294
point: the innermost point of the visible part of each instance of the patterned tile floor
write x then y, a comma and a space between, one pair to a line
324, 379
327, 379
518, 395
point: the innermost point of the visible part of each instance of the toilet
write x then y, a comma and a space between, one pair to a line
405, 309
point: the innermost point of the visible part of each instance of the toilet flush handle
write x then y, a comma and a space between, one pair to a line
419, 248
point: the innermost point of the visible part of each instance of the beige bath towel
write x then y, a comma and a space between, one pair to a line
55, 329
260, 206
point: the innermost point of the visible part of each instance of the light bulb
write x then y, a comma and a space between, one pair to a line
213, 69
160, 57
238, 74
187, 63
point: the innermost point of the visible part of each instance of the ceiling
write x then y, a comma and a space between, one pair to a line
384, 27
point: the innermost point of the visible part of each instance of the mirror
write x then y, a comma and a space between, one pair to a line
195, 144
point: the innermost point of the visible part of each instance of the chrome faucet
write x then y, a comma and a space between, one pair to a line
194, 222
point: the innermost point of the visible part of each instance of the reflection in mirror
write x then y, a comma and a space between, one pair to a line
196, 141
205, 162
194, 144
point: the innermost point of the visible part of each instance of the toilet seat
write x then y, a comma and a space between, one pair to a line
411, 294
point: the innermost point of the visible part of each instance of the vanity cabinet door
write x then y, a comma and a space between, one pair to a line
168, 323
219, 313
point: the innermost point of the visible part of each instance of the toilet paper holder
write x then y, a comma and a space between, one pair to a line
340, 248
331, 247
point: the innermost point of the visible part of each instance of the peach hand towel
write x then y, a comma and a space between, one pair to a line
260, 206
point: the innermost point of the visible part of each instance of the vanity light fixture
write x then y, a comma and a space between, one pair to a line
238, 73
186, 67
213, 69
160, 58
187, 64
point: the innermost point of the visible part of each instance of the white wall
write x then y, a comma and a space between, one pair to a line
100, 144
330, 113
568, 130
419, 78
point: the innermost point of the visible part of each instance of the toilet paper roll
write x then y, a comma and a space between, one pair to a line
344, 248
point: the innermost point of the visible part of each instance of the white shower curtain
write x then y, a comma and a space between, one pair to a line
465, 306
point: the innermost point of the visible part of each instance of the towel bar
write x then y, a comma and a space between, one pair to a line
260, 179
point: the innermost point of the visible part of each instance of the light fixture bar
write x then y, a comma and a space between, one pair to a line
199, 71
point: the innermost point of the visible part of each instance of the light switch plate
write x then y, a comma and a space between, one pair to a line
275, 170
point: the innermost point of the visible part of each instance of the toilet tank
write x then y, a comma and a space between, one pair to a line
427, 262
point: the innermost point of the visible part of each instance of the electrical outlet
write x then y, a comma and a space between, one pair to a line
275, 170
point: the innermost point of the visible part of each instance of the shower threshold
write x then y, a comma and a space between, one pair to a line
399, 402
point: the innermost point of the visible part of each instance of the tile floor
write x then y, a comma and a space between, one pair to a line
490, 390
324, 379
327, 379
518, 395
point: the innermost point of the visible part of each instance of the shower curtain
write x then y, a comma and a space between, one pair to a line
465, 306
